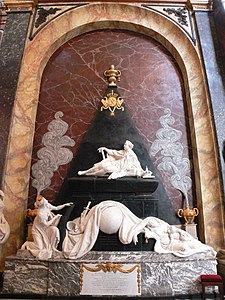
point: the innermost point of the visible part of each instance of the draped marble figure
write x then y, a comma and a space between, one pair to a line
44, 230
118, 163
4, 225
111, 217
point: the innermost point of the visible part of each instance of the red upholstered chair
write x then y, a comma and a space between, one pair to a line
212, 280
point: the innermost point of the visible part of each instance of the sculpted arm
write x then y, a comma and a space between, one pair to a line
52, 207
50, 222
115, 153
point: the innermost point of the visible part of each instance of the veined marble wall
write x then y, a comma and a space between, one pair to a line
107, 16
73, 82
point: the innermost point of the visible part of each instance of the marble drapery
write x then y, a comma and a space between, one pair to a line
111, 216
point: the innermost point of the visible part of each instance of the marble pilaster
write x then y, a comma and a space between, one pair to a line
11, 51
215, 74
215, 77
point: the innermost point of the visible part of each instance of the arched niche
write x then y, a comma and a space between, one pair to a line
122, 16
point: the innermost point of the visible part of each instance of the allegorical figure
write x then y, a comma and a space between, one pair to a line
44, 230
118, 163
111, 217
4, 225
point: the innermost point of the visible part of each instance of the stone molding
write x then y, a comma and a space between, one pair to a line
18, 6
30, 5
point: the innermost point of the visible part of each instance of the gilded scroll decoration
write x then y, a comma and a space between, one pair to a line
112, 102
111, 267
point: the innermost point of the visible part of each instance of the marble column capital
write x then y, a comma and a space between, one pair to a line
15, 6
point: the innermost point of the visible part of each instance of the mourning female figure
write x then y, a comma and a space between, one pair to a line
44, 231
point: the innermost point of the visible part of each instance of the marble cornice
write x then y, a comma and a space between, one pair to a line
195, 5
18, 6
28, 5
200, 5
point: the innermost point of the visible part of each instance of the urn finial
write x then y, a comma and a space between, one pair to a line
112, 75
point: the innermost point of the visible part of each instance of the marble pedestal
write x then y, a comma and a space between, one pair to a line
162, 275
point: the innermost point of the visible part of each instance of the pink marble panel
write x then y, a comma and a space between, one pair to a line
73, 82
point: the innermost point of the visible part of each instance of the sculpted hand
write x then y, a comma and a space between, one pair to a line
69, 204
135, 239
101, 149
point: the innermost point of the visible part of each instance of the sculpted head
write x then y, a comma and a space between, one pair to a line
128, 145
40, 200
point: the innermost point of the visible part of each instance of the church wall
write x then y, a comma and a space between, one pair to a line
36, 55
73, 82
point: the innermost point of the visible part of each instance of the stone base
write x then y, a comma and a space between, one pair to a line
162, 275
189, 228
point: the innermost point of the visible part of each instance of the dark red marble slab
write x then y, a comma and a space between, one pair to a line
73, 82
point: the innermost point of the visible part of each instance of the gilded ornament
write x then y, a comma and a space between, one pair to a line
111, 267
112, 75
188, 214
112, 102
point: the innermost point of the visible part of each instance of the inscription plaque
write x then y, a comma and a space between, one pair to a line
110, 279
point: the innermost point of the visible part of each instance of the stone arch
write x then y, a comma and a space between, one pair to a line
122, 16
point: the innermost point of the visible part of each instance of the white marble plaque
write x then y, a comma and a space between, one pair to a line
110, 279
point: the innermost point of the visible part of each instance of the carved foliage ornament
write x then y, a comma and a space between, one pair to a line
53, 155
179, 13
43, 14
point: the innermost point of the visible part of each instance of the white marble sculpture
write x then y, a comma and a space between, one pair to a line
111, 217
118, 163
4, 225
44, 230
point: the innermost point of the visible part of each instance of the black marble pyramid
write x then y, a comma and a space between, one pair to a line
111, 132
